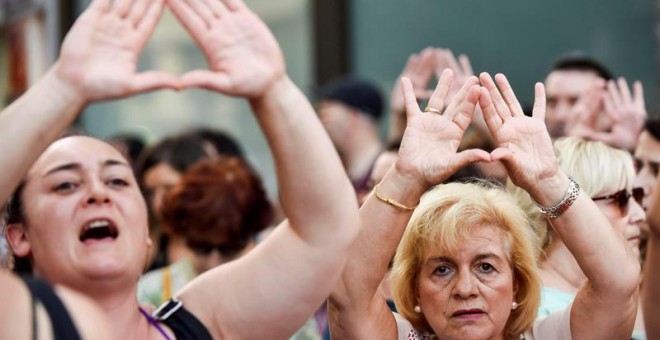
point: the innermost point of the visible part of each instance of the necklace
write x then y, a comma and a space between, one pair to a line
154, 323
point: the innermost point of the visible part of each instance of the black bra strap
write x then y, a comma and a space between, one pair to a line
184, 325
63, 327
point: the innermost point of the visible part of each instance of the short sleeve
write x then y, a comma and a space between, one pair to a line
556, 326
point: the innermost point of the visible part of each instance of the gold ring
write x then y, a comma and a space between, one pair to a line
430, 109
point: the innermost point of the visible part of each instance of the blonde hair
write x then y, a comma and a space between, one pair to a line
444, 219
581, 159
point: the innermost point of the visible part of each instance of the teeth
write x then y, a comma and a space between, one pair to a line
99, 224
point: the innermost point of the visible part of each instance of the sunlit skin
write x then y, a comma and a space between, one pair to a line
563, 89
629, 224
469, 294
75, 181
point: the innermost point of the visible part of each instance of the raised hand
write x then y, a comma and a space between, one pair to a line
429, 144
627, 112
244, 57
583, 119
99, 55
419, 69
523, 143
445, 59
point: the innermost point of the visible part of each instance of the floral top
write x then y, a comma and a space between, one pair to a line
556, 326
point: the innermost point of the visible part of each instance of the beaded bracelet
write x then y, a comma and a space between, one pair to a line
390, 201
569, 197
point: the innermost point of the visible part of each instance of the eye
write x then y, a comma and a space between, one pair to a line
485, 267
551, 102
442, 271
117, 182
65, 186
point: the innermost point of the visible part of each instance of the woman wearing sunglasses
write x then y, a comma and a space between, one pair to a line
606, 174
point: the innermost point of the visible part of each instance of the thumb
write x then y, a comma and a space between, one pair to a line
205, 79
469, 156
154, 80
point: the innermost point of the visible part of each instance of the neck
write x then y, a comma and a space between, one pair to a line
177, 249
561, 271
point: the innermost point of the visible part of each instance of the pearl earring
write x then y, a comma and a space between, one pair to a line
417, 309
514, 305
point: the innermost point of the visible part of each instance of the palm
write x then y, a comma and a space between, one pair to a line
243, 55
100, 54
523, 143
528, 139
427, 145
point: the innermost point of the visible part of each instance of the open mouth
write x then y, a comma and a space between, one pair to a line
99, 230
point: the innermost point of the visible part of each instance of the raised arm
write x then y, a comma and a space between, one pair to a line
279, 284
98, 61
605, 307
427, 157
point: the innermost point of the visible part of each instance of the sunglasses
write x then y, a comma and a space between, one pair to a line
622, 197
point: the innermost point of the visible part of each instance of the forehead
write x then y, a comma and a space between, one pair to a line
480, 240
568, 83
648, 148
78, 149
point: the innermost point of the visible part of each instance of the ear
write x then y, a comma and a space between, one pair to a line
18, 239
516, 281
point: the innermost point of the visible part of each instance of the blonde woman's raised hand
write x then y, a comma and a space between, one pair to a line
243, 56
99, 55
429, 146
523, 143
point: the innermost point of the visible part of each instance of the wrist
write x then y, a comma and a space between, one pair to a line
63, 89
550, 191
402, 187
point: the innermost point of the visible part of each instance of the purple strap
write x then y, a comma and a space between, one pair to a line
154, 323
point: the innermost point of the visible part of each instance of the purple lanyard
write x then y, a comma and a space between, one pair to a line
154, 323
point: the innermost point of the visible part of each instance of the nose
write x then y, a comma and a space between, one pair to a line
466, 285
97, 193
637, 215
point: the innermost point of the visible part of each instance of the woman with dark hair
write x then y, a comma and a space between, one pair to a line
79, 217
217, 208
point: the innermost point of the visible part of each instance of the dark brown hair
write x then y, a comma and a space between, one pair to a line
219, 202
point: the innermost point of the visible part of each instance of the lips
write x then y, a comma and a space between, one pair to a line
99, 229
468, 313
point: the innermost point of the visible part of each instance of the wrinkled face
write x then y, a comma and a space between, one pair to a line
628, 220
647, 159
563, 89
336, 119
85, 218
158, 181
468, 295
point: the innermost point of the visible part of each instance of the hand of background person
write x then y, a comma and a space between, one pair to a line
99, 55
627, 112
583, 119
419, 70
429, 146
445, 59
523, 143
244, 57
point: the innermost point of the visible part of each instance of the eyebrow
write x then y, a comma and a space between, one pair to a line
78, 166
479, 257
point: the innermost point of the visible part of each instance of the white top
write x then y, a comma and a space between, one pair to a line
556, 326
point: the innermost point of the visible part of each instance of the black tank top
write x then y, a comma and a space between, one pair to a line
42, 293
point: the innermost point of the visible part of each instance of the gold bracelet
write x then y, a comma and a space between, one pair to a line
391, 201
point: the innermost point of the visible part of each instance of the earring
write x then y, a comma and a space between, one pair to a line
417, 309
514, 305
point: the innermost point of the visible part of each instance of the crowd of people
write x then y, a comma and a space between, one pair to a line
477, 218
